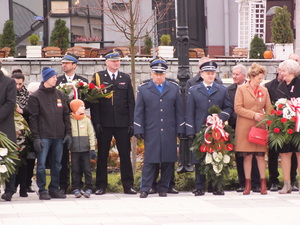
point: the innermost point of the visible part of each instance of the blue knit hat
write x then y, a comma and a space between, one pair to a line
47, 73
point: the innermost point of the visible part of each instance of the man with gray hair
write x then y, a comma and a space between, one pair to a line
295, 57
239, 78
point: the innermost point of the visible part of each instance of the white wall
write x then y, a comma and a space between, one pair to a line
4, 12
112, 34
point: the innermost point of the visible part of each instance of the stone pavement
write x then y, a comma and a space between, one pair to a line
181, 209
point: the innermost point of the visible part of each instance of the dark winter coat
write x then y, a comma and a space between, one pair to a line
8, 93
49, 113
160, 118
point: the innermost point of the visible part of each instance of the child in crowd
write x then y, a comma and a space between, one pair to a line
83, 140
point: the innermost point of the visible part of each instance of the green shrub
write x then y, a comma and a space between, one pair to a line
165, 39
60, 35
8, 36
34, 39
148, 44
257, 48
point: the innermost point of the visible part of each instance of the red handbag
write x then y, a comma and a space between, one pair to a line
258, 136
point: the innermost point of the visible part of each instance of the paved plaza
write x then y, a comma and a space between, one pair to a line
181, 209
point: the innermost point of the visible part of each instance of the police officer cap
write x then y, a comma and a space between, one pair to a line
158, 65
112, 56
209, 66
69, 57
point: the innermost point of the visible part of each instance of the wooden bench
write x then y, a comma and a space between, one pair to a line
77, 50
6, 50
51, 51
196, 53
240, 52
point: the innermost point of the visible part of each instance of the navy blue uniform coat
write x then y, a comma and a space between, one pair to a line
160, 118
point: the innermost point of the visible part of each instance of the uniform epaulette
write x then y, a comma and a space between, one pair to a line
173, 82
144, 83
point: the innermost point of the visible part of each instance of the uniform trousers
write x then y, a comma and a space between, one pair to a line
124, 147
148, 175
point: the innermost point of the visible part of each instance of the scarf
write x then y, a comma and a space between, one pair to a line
22, 97
77, 117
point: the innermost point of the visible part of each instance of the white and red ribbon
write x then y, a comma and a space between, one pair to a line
294, 104
75, 92
214, 122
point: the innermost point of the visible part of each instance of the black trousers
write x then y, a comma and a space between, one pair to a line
30, 168
255, 177
80, 164
124, 147
148, 175
64, 175
172, 181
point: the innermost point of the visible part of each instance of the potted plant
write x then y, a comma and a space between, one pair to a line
33, 50
282, 33
60, 35
257, 48
8, 37
164, 50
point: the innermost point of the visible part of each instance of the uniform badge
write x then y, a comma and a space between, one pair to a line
81, 126
59, 103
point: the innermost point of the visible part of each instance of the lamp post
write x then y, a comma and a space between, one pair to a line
185, 156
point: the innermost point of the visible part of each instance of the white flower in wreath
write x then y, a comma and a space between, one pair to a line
281, 101
3, 151
217, 168
208, 158
226, 159
3, 169
288, 113
217, 156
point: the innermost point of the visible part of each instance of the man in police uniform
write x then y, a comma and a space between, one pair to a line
158, 118
113, 116
200, 98
68, 65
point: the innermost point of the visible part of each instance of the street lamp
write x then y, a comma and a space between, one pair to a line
185, 155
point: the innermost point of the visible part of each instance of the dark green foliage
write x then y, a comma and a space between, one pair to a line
8, 36
148, 44
60, 35
257, 48
281, 26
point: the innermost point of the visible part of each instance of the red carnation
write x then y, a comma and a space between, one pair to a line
283, 120
269, 122
80, 84
280, 106
276, 130
294, 118
102, 86
290, 131
91, 86
273, 111
279, 112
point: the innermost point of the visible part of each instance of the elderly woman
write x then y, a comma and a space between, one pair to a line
289, 88
251, 103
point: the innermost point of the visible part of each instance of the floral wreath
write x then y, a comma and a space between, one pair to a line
82, 90
213, 146
8, 157
284, 123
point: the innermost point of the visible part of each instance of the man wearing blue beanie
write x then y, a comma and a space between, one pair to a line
50, 127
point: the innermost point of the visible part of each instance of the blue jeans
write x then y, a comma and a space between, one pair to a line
55, 148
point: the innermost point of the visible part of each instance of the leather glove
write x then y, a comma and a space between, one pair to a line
37, 144
139, 136
93, 154
98, 130
130, 131
68, 141
192, 136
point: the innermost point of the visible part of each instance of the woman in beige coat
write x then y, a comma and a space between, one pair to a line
252, 101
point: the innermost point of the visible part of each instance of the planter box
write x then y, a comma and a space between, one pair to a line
166, 51
92, 45
282, 51
34, 51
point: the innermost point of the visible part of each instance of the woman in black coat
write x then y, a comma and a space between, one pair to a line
289, 88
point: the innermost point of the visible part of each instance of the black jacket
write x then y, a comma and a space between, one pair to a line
118, 110
231, 92
197, 80
289, 91
272, 89
49, 113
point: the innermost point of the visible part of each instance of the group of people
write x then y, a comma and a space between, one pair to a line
157, 116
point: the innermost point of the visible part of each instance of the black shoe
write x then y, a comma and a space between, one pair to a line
199, 192
143, 194
294, 187
173, 191
152, 191
256, 189
7, 196
100, 191
130, 191
240, 189
162, 194
44, 196
274, 187
23, 193
63, 191
218, 192
30, 189
57, 194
